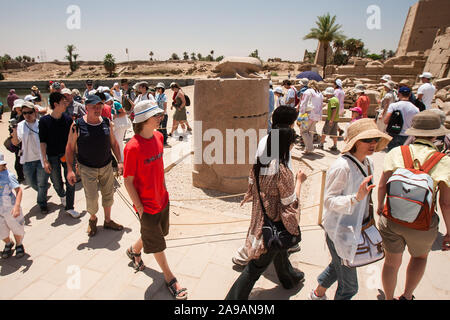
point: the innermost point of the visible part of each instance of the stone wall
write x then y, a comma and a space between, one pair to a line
424, 19
221, 105
438, 62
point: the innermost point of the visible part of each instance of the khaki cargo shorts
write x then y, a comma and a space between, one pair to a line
396, 237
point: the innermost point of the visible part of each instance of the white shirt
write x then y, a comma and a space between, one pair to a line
340, 94
342, 218
117, 95
28, 133
315, 99
428, 91
147, 96
279, 102
290, 95
408, 111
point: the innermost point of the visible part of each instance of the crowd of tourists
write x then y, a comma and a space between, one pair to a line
80, 137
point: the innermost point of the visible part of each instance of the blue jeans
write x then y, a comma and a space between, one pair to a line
396, 141
37, 178
57, 181
346, 277
244, 284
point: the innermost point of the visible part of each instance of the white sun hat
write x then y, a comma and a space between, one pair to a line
18, 103
30, 97
278, 90
427, 75
145, 110
386, 77
329, 91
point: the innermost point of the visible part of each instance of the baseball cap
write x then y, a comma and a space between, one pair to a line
357, 109
89, 82
30, 98
56, 85
108, 97
93, 100
339, 83
427, 75
66, 91
404, 90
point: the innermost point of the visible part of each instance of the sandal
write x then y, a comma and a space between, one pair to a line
20, 251
176, 293
137, 266
7, 252
112, 225
403, 298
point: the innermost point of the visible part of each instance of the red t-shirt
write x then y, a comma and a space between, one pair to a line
363, 102
106, 111
144, 161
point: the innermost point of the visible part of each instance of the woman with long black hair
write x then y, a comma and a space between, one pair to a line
280, 194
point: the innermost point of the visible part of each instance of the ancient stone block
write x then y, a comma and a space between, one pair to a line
245, 67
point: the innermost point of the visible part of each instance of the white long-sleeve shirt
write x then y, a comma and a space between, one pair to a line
342, 219
314, 98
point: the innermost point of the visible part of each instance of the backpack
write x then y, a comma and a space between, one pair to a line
296, 95
395, 124
188, 101
410, 193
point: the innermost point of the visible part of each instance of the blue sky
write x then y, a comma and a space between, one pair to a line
229, 27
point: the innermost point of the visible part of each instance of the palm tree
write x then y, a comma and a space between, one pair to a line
72, 57
110, 64
185, 56
193, 56
384, 54
212, 54
391, 54
151, 55
327, 31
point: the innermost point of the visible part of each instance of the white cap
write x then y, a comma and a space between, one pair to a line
145, 110
2, 159
426, 75
18, 103
329, 91
278, 90
304, 81
30, 97
66, 91
386, 77
339, 83
115, 84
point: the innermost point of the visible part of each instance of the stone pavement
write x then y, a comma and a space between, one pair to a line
62, 262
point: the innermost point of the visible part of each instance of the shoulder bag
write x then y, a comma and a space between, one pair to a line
370, 248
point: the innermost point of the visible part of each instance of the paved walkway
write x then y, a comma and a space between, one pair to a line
62, 262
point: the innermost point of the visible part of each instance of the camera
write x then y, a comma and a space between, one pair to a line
12, 124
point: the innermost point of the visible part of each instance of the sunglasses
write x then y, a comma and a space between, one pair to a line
159, 115
27, 112
370, 140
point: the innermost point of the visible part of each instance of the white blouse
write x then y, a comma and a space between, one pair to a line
342, 219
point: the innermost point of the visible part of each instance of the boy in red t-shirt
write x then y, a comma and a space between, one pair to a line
145, 183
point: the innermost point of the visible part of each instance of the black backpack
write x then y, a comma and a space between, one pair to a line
395, 124
188, 101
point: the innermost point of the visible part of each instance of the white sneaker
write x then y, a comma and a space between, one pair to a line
312, 296
63, 201
74, 214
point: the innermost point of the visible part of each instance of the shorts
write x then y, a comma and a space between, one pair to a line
180, 115
330, 130
154, 227
396, 237
10, 224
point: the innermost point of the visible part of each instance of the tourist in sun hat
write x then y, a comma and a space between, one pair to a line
92, 136
363, 100
311, 104
347, 206
143, 93
407, 110
426, 126
161, 100
128, 95
278, 92
426, 91
180, 115
144, 181
89, 87
331, 124
388, 99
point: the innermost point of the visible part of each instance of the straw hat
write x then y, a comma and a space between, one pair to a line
388, 85
34, 88
405, 83
360, 88
427, 124
365, 129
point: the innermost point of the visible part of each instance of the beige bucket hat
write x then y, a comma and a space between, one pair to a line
365, 129
427, 124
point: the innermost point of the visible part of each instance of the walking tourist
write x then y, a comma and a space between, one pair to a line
407, 111
311, 103
145, 183
161, 100
281, 208
179, 103
11, 216
387, 100
331, 124
53, 133
92, 136
128, 95
400, 217
121, 124
363, 100
289, 100
278, 92
347, 204
426, 90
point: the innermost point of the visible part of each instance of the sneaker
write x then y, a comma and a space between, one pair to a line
20, 251
312, 296
63, 201
74, 214
239, 262
166, 145
294, 249
180, 138
8, 251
